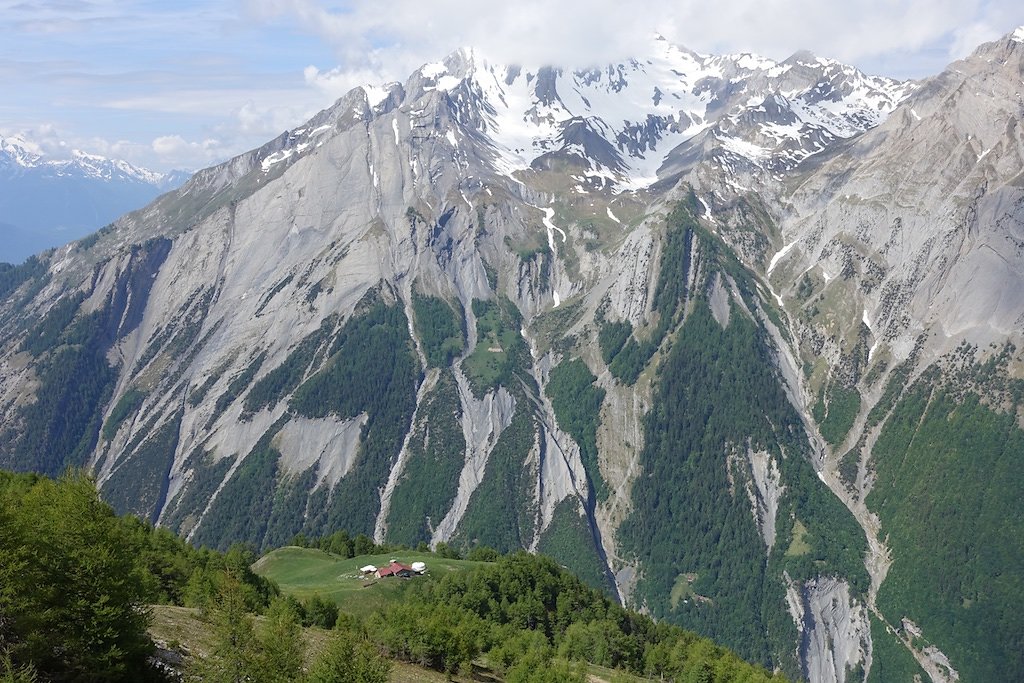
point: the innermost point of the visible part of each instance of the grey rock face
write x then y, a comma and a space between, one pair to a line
834, 630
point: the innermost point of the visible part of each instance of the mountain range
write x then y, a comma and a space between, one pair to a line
736, 340
46, 202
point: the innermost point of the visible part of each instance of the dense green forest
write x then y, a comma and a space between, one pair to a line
500, 353
430, 478
891, 662
627, 355
577, 405
501, 511
569, 539
718, 395
950, 474
76, 581
62, 426
835, 411
13, 276
439, 328
532, 620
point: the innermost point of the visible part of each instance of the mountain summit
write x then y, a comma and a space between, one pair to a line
736, 340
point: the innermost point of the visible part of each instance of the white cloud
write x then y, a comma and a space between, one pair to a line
45, 139
174, 150
337, 81
50, 141
391, 41
969, 36
265, 119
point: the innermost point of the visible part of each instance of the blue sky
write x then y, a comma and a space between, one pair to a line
186, 84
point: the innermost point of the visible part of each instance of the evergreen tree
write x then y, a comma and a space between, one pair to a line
72, 595
235, 654
320, 612
347, 660
10, 673
281, 644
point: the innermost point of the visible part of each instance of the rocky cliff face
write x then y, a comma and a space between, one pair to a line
670, 321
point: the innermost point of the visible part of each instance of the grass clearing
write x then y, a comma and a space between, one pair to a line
491, 361
603, 674
304, 572
682, 589
180, 626
799, 546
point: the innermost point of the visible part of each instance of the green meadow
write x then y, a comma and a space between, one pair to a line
304, 572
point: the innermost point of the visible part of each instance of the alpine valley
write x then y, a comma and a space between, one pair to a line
738, 341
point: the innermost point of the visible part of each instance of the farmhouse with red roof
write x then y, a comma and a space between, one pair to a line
396, 568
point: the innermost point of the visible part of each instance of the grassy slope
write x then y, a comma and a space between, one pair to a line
182, 626
303, 572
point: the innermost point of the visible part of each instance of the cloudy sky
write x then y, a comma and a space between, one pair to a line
186, 84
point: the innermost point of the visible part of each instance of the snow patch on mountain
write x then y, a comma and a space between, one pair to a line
623, 121
375, 94
779, 255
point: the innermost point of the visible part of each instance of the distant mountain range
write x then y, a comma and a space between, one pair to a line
45, 202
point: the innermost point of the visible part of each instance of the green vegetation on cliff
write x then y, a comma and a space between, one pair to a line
950, 472
501, 512
569, 540
61, 427
430, 478
835, 411
891, 662
500, 350
669, 296
439, 329
577, 405
282, 380
374, 353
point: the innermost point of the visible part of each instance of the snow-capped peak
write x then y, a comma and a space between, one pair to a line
16, 150
97, 166
623, 120
1018, 35
20, 151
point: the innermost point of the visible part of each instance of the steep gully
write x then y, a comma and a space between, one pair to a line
879, 557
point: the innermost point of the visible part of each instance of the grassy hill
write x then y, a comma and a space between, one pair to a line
304, 572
